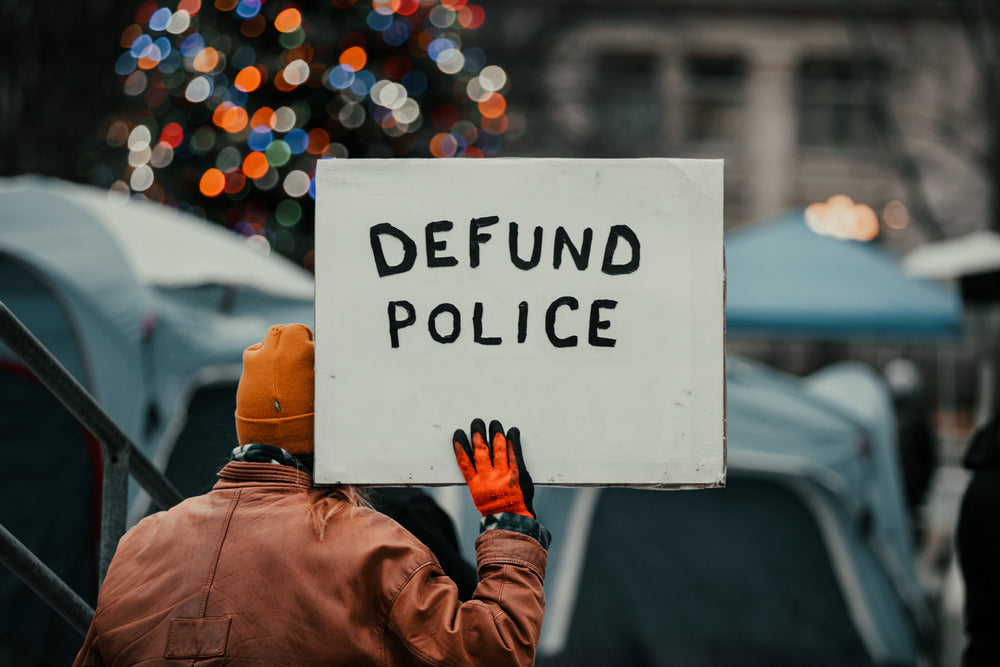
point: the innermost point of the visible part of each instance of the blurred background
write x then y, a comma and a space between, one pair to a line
862, 158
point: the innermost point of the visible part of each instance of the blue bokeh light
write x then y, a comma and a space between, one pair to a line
297, 140
341, 77
160, 19
378, 21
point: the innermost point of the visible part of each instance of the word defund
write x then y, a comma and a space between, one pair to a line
435, 247
444, 321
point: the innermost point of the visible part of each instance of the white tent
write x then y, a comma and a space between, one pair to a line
150, 309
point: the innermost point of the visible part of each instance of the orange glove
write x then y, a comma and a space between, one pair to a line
494, 469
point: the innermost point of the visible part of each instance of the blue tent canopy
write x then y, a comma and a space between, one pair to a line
785, 280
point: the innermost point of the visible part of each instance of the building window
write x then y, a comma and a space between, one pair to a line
839, 102
627, 106
715, 99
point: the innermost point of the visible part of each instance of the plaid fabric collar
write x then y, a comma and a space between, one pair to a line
256, 453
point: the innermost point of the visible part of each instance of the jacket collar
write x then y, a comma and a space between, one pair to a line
243, 472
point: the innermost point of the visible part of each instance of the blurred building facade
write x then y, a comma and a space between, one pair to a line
804, 100
881, 100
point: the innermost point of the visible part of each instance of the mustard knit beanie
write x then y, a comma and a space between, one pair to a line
274, 400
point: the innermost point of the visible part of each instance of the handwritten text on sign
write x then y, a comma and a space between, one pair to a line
579, 300
444, 322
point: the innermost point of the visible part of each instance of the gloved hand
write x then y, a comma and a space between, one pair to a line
494, 469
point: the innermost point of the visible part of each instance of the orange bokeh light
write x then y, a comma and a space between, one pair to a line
288, 20
212, 182
248, 79
354, 57
493, 106
442, 145
281, 83
147, 63
206, 60
230, 117
263, 117
841, 218
192, 7
255, 165
319, 139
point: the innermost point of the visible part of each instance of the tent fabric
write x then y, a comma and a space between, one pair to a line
164, 246
51, 481
680, 598
149, 309
153, 295
805, 498
785, 280
162, 353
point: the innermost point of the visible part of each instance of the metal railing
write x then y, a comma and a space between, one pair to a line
121, 458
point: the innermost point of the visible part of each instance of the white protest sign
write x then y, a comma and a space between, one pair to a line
579, 300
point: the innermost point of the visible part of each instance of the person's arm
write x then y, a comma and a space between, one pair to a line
501, 624
415, 510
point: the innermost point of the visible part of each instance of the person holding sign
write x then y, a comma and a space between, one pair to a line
267, 568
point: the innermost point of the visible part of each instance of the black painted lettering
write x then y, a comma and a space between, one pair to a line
536, 249
375, 235
596, 323
522, 321
476, 239
581, 257
550, 321
477, 327
456, 325
396, 324
434, 246
623, 232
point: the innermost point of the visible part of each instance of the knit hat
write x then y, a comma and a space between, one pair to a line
274, 400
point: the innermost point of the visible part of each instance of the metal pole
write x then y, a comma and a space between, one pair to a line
83, 406
46, 584
114, 496
121, 455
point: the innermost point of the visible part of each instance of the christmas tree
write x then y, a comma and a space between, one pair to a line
230, 105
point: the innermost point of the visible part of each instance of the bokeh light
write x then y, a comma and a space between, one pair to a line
231, 102
212, 182
354, 57
248, 79
841, 218
288, 20
895, 215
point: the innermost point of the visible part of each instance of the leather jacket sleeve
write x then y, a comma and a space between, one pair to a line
90, 654
500, 625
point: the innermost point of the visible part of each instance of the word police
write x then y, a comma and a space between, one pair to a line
444, 320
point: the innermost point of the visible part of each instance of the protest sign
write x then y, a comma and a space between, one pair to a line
579, 300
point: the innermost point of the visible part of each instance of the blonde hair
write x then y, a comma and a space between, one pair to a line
327, 502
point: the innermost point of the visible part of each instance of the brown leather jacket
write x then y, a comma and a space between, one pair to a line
238, 576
